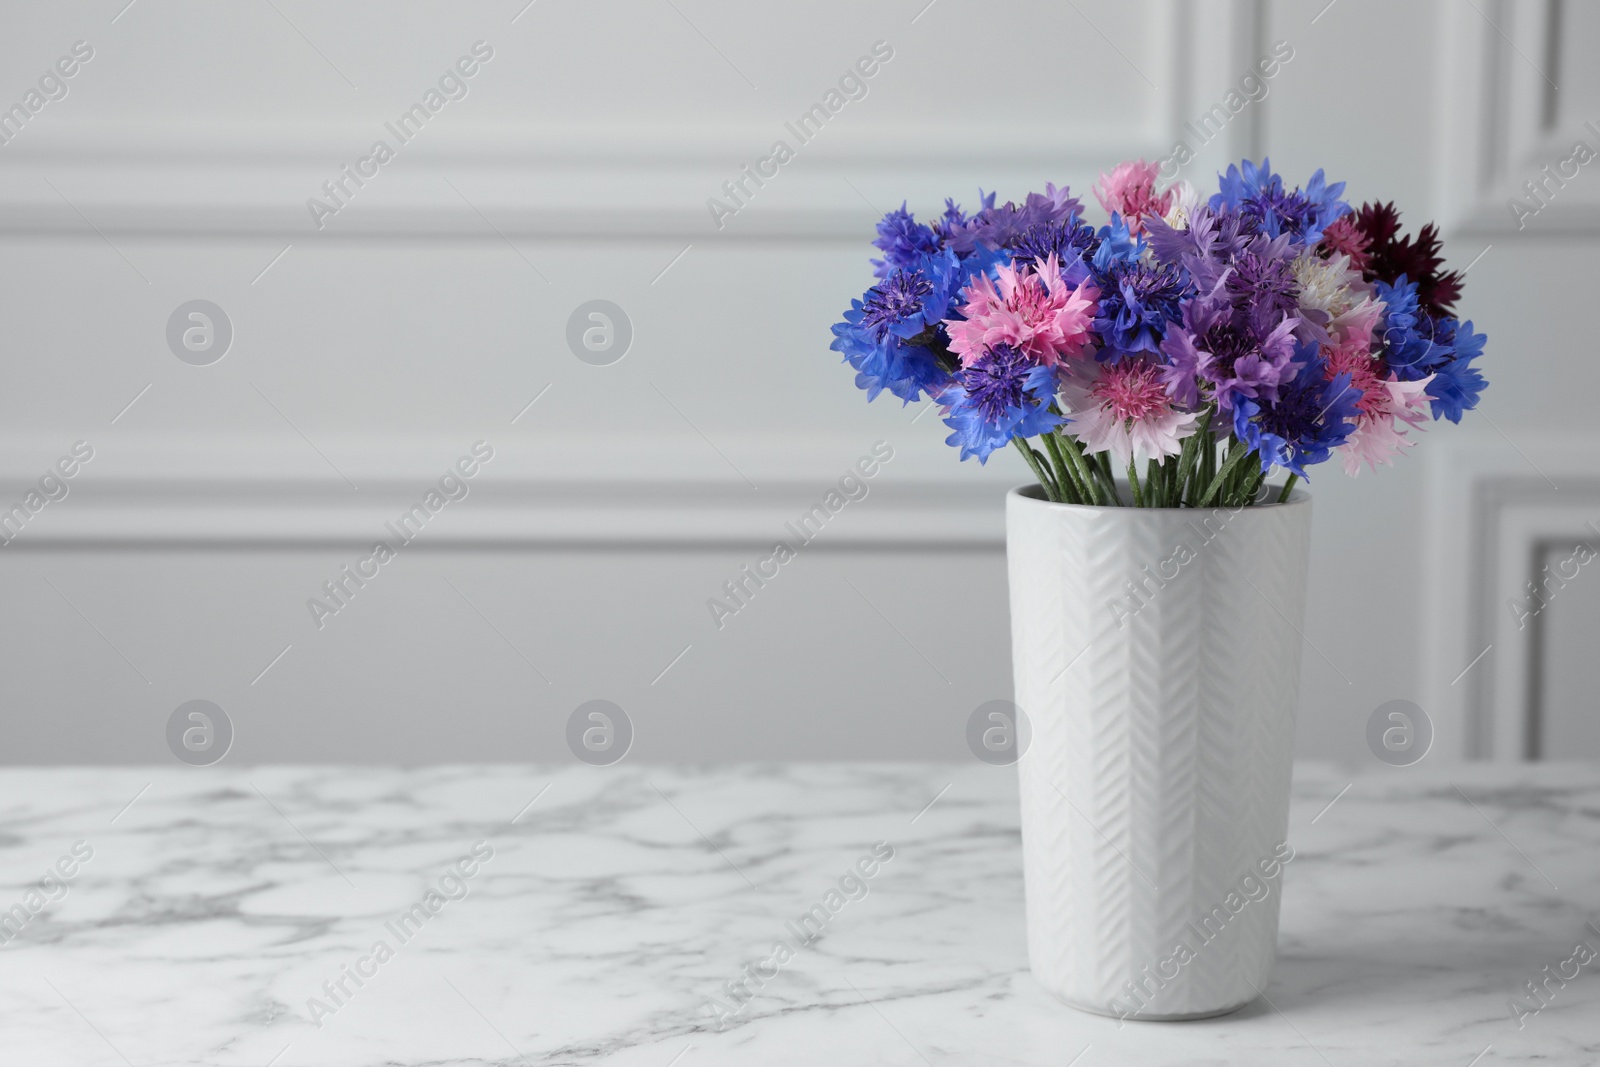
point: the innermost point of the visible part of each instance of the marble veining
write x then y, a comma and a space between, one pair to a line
574, 915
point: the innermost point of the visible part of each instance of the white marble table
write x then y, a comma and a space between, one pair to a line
617, 905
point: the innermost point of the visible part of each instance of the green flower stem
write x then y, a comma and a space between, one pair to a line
1104, 461
1232, 488
1062, 446
1250, 481
1252, 486
1071, 490
1074, 463
1283, 497
1044, 464
1191, 456
1089, 471
1230, 485
1235, 495
1133, 482
1050, 489
1064, 490
1208, 470
1236, 455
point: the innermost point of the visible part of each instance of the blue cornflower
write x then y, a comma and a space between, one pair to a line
1413, 344
911, 301
1067, 239
908, 371
1116, 244
1457, 384
893, 336
1323, 208
1137, 302
1258, 193
1312, 416
896, 306
1245, 182
903, 241
1004, 394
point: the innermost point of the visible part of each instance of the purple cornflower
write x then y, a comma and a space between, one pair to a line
1262, 284
997, 227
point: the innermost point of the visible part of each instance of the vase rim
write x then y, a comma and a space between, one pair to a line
1034, 494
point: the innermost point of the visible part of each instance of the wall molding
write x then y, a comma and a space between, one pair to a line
1499, 63
1493, 504
159, 179
544, 515
470, 198
536, 492
166, 179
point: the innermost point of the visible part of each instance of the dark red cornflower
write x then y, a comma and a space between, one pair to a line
1343, 237
1417, 258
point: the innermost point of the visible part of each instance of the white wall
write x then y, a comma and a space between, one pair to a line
427, 314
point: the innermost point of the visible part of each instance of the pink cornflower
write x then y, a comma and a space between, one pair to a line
1388, 406
1130, 190
1028, 308
1126, 411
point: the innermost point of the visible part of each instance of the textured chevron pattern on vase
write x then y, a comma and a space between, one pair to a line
1158, 774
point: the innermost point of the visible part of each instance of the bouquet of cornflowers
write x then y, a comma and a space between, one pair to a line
1202, 342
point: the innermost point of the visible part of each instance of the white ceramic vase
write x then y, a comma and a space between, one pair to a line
1157, 662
